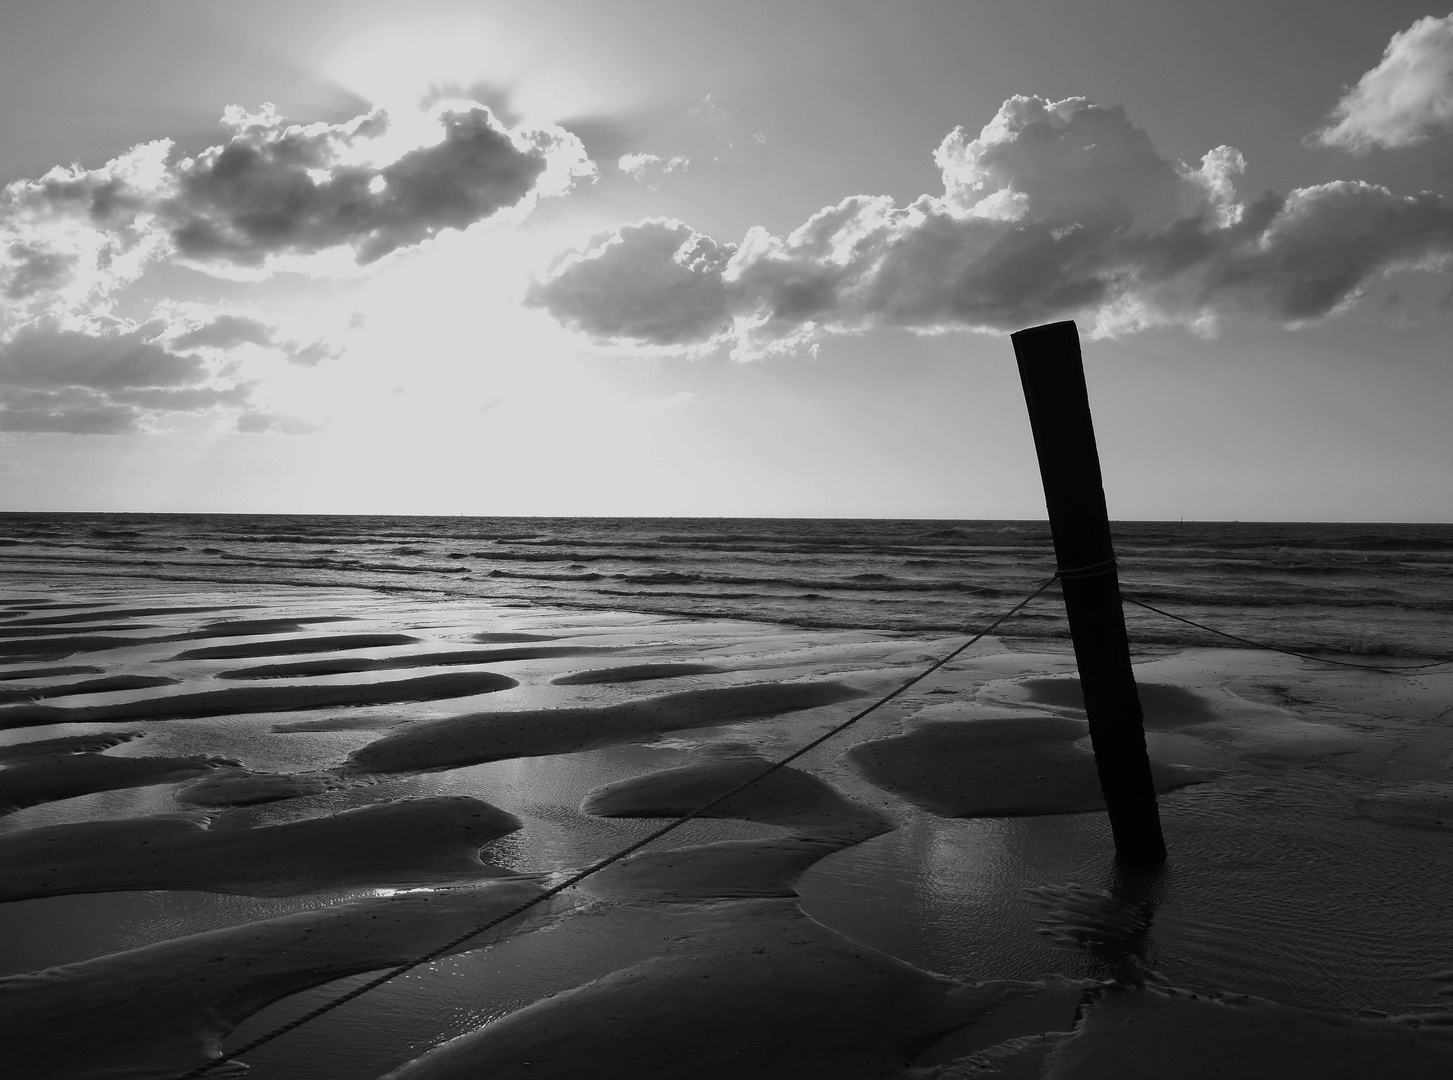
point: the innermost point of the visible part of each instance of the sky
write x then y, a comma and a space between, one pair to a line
722, 259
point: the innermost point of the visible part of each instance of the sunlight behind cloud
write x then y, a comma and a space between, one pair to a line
405, 66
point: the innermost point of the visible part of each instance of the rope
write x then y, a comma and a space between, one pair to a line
1289, 652
578, 877
1109, 565
1093, 570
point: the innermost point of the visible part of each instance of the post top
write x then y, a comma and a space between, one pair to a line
1054, 328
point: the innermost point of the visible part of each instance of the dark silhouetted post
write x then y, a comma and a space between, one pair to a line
1064, 438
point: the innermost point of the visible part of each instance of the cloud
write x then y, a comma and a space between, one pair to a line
310, 354
187, 399
280, 189
271, 191
75, 235
226, 332
229, 331
255, 422
1055, 209
102, 379
67, 416
642, 167
45, 356
658, 282
1406, 99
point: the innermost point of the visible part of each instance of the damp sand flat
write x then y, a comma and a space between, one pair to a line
798, 926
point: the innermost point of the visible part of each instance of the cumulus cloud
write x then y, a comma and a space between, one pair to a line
102, 379
643, 167
276, 189
658, 282
1053, 210
75, 235
272, 190
1406, 99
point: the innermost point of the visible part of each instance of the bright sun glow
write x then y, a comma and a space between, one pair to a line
396, 65
402, 66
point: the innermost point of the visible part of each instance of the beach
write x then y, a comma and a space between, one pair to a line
245, 763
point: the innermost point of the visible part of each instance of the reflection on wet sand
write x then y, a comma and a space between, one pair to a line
840, 918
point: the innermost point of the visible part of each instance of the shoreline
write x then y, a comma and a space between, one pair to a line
1359, 589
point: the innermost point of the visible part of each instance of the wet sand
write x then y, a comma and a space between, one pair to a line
931, 895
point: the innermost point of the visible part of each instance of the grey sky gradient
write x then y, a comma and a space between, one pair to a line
722, 258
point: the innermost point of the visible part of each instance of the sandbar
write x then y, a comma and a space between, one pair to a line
245, 627
635, 673
407, 842
1251, 730
11, 631
66, 744
107, 612
293, 646
59, 647
259, 699
998, 766
50, 778
341, 665
89, 686
245, 787
786, 796
49, 672
725, 870
468, 740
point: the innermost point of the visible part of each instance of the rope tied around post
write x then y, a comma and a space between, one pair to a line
1106, 566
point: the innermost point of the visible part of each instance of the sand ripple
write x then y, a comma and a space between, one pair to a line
409, 842
293, 646
163, 1009
469, 740
259, 699
64, 776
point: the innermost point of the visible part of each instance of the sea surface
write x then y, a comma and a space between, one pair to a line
1368, 589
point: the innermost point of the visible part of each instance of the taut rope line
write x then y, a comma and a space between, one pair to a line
1110, 564
1390, 668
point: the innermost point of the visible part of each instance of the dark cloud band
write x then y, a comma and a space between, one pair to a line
102, 380
275, 189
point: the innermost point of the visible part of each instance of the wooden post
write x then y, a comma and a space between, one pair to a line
1053, 376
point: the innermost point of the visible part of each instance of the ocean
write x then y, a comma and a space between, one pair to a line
1366, 589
